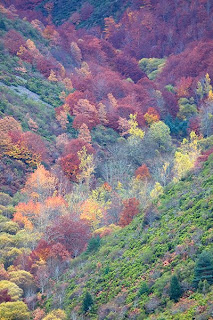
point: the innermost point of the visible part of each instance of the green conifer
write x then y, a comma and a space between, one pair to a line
175, 289
203, 269
87, 302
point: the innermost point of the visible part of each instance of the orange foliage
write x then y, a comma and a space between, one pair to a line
142, 172
27, 213
40, 185
151, 116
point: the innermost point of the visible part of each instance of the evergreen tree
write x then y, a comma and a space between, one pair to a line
87, 302
175, 289
203, 269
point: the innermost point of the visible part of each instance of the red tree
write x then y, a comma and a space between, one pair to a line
72, 233
131, 209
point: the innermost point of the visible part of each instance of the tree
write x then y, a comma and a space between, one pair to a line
175, 289
156, 191
203, 269
13, 290
4, 296
71, 232
14, 311
57, 314
186, 156
86, 166
187, 108
142, 173
131, 209
22, 278
84, 133
92, 212
159, 136
87, 302
70, 166
13, 40
40, 185
151, 116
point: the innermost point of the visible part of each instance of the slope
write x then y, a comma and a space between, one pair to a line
129, 276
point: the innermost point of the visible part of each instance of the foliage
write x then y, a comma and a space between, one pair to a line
14, 311
175, 289
87, 302
203, 269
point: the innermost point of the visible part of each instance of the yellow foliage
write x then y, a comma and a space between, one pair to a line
186, 156
56, 315
134, 131
157, 190
14, 310
52, 77
13, 290
86, 166
92, 211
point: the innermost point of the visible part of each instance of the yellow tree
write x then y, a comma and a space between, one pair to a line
92, 211
186, 156
135, 132
86, 166
156, 191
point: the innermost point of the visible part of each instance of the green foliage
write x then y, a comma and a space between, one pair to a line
104, 136
143, 289
152, 66
143, 254
87, 302
203, 269
94, 244
175, 289
63, 9
187, 108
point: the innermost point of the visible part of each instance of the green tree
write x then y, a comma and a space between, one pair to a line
87, 302
159, 137
175, 289
143, 289
203, 269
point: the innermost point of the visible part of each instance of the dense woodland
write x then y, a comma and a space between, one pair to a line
106, 165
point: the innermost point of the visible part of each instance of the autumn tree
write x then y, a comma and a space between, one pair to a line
86, 166
142, 172
13, 40
70, 232
84, 133
92, 212
40, 185
131, 209
151, 116
14, 310
186, 156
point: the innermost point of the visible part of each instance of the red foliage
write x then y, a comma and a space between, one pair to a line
128, 67
142, 172
72, 233
131, 209
70, 166
4, 296
194, 125
76, 145
13, 40
86, 11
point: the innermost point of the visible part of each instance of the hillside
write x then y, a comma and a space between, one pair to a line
129, 275
106, 165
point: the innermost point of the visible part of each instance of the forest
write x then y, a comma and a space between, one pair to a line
106, 160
